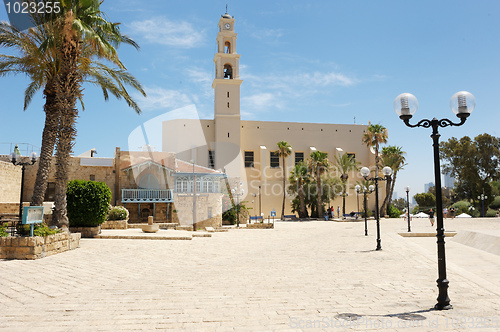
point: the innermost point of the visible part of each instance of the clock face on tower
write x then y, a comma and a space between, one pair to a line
227, 26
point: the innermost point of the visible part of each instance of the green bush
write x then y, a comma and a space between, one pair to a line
491, 213
3, 230
118, 213
462, 207
87, 203
38, 230
393, 211
495, 205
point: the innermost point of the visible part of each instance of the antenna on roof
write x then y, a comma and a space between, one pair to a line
226, 8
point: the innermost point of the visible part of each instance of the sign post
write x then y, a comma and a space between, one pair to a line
32, 215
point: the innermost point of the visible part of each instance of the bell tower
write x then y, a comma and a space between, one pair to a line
226, 87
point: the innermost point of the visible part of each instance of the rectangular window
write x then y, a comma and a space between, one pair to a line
211, 159
275, 159
92, 177
352, 155
50, 193
209, 212
299, 156
248, 158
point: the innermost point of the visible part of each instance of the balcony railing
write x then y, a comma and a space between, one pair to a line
146, 195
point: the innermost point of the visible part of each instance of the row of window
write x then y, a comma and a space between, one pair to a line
184, 184
274, 159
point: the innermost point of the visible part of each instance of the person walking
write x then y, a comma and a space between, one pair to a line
338, 211
431, 217
445, 212
452, 212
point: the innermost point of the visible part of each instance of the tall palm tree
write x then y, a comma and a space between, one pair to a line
392, 156
345, 164
318, 165
284, 150
41, 58
375, 135
299, 178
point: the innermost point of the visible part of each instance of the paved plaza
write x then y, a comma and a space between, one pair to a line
300, 276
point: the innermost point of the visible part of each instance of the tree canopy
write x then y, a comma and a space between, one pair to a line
474, 163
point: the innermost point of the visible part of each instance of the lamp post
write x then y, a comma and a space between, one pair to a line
358, 189
238, 194
407, 189
387, 171
462, 104
482, 197
16, 160
366, 192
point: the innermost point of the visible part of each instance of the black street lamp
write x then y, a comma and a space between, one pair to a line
482, 197
387, 171
365, 192
16, 160
407, 189
238, 194
462, 104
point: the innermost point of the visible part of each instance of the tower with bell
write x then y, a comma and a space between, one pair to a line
226, 85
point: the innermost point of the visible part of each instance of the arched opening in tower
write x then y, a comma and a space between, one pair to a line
228, 71
227, 47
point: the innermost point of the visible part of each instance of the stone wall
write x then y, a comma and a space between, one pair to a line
10, 183
76, 172
37, 247
114, 224
204, 217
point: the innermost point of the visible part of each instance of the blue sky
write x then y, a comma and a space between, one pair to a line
321, 61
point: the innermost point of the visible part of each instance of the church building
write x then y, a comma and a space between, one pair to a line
246, 150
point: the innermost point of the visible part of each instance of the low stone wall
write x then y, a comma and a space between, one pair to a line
115, 224
86, 232
37, 247
260, 226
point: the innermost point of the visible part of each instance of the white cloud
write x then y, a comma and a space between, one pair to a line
259, 101
159, 98
159, 30
199, 75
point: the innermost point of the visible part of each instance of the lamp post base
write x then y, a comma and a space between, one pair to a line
443, 307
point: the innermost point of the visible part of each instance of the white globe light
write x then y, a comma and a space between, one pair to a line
462, 102
358, 188
387, 171
33, 156
405, 104
371, 187
365, 171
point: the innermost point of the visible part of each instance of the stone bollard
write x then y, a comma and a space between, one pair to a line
150, 227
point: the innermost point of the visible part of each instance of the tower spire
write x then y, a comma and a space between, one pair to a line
226, 8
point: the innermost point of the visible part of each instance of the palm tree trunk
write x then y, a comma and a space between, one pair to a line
284, 190
319, 189
68, 90
387, 197
302, 203
48, 141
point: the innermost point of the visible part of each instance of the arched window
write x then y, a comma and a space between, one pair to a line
228, 71
181, 184
149, 181
227, 47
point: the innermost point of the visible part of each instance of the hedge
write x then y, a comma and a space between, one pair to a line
87, 203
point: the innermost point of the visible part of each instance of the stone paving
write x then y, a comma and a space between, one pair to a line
301, 276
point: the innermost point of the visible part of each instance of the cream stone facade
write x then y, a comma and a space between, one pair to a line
244, 149
10, 182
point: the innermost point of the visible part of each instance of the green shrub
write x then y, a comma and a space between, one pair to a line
87, 203
462, 207
495, 205
393, 211
3, 230
118, 213
38, 230
491, 213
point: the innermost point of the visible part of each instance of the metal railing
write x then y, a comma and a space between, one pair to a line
146, 195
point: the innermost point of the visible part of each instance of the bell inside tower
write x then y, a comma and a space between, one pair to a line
228, 71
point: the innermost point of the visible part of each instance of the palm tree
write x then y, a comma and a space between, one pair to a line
345, 164
284, 150
373, 137
392, 156
318, 165
40, 59
299, 178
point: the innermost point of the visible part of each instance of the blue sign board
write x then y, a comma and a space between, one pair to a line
273, 213
32, 215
